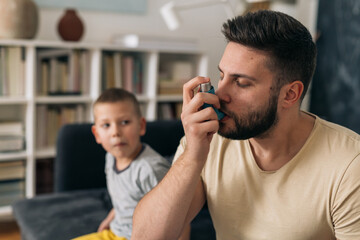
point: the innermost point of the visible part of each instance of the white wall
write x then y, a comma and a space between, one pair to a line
202, 24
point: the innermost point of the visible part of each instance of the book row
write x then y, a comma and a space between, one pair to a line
12, 71
51, 118
11, 136
12, 181
169, 111
122, 70
63, 72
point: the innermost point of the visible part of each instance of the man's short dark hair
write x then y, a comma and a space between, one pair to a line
113, 95
291, 50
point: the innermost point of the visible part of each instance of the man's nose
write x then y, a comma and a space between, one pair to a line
223, 90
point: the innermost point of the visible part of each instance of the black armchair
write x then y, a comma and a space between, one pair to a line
80, 200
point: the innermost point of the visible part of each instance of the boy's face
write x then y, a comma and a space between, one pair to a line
118, 129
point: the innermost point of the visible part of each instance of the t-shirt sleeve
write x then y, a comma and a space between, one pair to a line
109, 162
180, 149
346, 208
151, 175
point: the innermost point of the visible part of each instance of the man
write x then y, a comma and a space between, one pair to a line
267, 170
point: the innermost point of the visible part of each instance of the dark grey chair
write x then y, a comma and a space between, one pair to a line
80, 200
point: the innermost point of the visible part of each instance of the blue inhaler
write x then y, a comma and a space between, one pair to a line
206, 87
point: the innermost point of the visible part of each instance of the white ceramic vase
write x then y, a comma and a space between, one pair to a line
18, 19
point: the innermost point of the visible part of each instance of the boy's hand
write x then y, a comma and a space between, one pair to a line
199, 124
105, 224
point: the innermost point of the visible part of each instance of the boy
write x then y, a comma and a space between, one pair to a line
132, 168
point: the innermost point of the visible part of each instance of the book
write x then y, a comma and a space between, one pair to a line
170, 87
117, 70
9, 198
44, 78
166, 111
11, 143
11, 129
12, 170
137, 76
12, 71
182, 71
109, 71
2, 69
11, 136
85, 72
127, 73
11, 190
7, 186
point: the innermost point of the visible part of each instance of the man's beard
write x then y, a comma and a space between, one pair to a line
256, 124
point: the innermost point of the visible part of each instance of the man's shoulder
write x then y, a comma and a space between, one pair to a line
337, 132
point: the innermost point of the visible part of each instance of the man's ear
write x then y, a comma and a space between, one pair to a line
292, 93
96, 135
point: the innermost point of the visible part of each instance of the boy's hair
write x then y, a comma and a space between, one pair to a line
113, 95
289, 44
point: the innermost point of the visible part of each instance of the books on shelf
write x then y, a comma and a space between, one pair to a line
11, 190
173, 75
12, 71
51, 117
12, 181
122, 71
63, 72
169, 111
12, 170
11, 136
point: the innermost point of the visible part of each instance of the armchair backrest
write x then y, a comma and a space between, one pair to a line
80, 161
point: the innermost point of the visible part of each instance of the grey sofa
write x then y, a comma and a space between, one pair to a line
80, 200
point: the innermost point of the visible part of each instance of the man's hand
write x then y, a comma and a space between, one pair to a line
199, 124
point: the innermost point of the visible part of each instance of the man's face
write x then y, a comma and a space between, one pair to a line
247, 93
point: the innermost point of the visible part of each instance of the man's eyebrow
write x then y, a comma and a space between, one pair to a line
239, 75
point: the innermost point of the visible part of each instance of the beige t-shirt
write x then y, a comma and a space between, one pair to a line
316, 195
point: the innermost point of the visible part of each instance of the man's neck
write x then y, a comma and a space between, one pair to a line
283, 142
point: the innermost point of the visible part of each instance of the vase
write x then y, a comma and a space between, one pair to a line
70, 26
18, 19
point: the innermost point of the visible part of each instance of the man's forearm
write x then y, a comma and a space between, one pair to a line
161, 214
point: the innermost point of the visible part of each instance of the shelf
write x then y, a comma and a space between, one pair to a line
46, 153
63, 99
96, 65
5, 211
91, 45
12, 156
169, 98
12, 100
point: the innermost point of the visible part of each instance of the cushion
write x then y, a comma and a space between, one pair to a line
62, 215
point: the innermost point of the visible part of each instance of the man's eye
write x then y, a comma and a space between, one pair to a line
242, 84
105, 125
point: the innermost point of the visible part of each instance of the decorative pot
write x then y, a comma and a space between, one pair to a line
70, 26
18, 19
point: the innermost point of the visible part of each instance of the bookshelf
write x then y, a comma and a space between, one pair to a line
53, 83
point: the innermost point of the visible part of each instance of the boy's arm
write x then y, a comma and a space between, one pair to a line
105, 224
